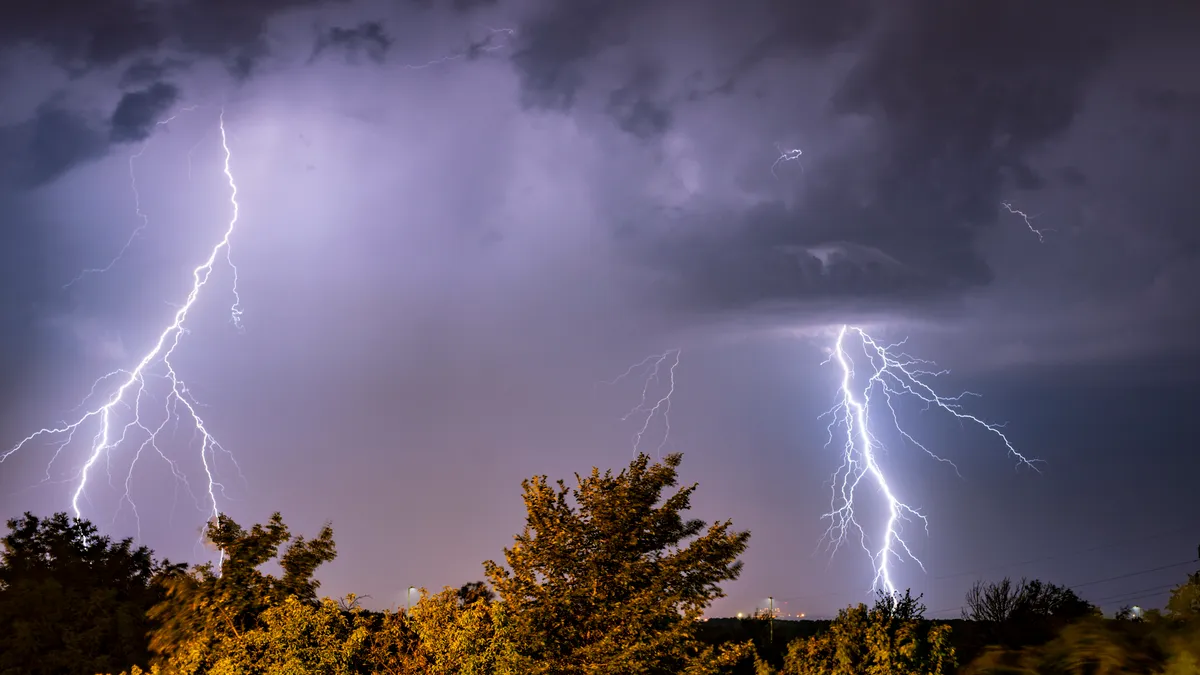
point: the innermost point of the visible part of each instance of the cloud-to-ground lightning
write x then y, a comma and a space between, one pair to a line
123, 414
143, 219
890, 374
657, 372
1028, 219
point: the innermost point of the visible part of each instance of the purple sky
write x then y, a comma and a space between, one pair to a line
457, 218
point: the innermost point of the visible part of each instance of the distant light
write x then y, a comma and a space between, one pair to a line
741, 616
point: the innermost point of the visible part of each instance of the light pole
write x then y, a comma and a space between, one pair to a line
771, 620
408, 600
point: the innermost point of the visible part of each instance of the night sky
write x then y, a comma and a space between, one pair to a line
458, 218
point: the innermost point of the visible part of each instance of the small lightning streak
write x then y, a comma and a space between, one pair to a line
656, 369
487, 44
891, 374
105, 422
787, 155
1041, 234
137, 205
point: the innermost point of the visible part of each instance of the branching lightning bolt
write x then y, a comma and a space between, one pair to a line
656, 369
130, 397
143, 219
1041, 234
892, 374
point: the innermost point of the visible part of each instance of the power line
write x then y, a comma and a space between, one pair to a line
1134, 574
1141, 594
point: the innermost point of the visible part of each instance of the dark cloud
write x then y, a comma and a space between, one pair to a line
39, 150
368, 37
138, 112
957, 112
232, 30
148, 70
1170, 101
83, 34
469, 5
554, 47
799, 28
635, 109
557, 43
1073, 177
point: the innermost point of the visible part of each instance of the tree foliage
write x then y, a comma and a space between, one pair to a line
891, 638
202, 609
609, 577
72, 601
461, 635
1184, 603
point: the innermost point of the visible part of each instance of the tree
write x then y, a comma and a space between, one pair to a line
72, 601
460, 637
203, 609
611, 580
475, 591
892, 638
1025, 612
1184, 603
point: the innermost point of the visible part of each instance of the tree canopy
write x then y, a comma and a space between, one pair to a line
72, 601
610, 577
891, 638
202, 609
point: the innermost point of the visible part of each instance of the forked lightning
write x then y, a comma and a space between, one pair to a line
657, 372
890, 374
121, 419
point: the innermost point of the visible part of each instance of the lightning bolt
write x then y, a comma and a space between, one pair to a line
487, 44
891, 375
109, 429
787, 155
137, 204
653, 369
1041, 234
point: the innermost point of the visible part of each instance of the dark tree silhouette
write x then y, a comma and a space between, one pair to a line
475, 591
72, 601
1025, 612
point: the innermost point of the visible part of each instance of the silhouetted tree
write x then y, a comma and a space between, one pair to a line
72, 601
1025, 612
475, 591
615, 581
1184, 603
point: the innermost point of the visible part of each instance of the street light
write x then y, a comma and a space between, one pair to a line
771, 620
408, 599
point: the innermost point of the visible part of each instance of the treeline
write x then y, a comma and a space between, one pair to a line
607, 577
